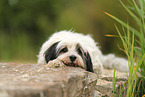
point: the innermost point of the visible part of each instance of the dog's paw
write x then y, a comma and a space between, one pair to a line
52, 64
55, 64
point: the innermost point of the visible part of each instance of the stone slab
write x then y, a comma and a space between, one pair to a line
26, 80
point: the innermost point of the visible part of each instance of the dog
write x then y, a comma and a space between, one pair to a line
79, 50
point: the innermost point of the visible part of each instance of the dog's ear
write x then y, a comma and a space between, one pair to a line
51, 53
88, 61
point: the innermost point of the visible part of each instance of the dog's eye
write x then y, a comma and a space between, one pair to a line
64, 50
79, 51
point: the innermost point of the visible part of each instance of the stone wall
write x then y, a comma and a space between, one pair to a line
18, 80
33, 80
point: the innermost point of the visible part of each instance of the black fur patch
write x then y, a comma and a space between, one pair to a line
88, 61
50, 53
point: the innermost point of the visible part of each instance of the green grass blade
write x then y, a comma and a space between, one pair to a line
130, 3
124, 44
122, 89
142, 8
114, 83
131, 68
137, 50
136, 8
132, 46
131, 13
140, 62
128, 35
123, 23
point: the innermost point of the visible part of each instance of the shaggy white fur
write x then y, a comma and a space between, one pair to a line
77, 44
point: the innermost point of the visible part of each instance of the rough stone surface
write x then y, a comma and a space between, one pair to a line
33, 80
57, 80
104, 86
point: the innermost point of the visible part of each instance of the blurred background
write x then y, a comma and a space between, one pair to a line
26, 24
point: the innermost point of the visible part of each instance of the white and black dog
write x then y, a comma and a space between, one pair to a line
78, 50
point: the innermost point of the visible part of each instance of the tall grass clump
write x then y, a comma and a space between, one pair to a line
133, 41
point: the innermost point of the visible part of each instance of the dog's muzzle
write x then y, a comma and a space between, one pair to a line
72, 59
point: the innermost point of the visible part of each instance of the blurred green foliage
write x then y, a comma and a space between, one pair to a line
26, 24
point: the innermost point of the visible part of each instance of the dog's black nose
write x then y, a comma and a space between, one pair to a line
72, 58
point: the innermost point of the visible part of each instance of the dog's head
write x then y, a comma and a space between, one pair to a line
71, 53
